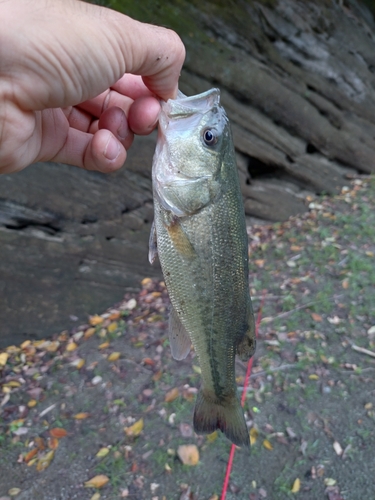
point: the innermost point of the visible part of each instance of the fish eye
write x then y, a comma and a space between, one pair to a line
209, 137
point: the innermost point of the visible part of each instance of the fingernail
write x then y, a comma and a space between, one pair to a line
112, 149
123, 130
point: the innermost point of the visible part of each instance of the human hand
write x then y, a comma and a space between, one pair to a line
77, 81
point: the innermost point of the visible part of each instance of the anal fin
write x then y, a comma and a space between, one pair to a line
178, 336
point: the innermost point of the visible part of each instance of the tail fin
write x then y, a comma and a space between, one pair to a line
227, 416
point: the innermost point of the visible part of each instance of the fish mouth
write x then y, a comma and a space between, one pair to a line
184, 106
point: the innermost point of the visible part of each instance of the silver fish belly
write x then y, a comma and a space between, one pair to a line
199, 234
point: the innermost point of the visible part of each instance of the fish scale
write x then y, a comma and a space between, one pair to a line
201, 240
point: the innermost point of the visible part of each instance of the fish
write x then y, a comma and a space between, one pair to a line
199, 234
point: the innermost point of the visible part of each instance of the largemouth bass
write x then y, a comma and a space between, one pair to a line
199, 233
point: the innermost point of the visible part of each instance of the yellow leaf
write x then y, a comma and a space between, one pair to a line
115, 315
104, 345
114, 356
89, 333
171, 395
97, 481
103, 452
296, 486
81, 416
267, 445
253, 435
212, 437
329, 481
188, 454
26, 344
314, 376
112, 327
13, 492
197, 369
32, 403
95, 320
12, 383
146, 281
3, 358
53, 346
72, 346
45, 461
95, 496
135, 429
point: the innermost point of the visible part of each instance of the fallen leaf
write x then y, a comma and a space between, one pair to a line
45, 461
89, 333
95, 496
135, 429
314, 376
368, 406
104, 345
81, 416
112, 327
337, 448
115, 315
371, 331
53, 443
267, 445
95, 320
197, 369
171, 395
32, 403
72, 346
114, 356
3, 358
39, 443
58, 432
296, 486
14, 492
345, 284
253, 435
316, 317
97, 481
103, 452
212, 437
188, 454
329, 481
31, 454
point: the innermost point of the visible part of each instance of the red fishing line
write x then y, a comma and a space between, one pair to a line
243, 397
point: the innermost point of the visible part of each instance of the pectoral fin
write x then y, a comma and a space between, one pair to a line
178, 337
152, 245
179, 239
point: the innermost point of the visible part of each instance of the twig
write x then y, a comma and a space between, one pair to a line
287, 313
363, 350
275, 369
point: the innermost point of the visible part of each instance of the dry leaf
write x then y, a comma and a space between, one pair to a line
31, 454
95, 320
72, 346
329, 481
32, 403
212, 437
253, 435
267, 445
104, 345
97, 481
103, 452
89, 333
53, 443
3, 358
314, 376
115, 315
337, 448
78, 363
135, 429
345, 283
95, 496
146, 281
81, 416
188, 454
13, 492
112, 327
114, 356
296, 486
39, 443
316, 317
58, 432
45, 461
171, 395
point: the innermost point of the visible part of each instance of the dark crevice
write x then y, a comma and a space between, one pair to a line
89, 219
258, 169
109, 238
21, 225
311, 149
